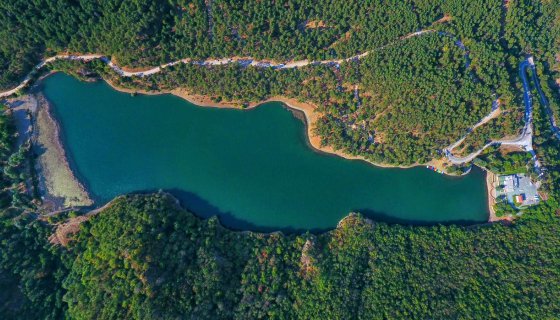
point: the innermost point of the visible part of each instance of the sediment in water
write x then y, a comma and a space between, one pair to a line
58, 183
78, 194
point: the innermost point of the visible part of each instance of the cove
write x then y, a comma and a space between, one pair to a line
252, 168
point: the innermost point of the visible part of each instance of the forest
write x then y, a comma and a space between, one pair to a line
144, 32
400, 105
146, 257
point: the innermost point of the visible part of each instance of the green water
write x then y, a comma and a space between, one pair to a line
252, 168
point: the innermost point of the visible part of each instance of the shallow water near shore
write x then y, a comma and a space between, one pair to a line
253, 168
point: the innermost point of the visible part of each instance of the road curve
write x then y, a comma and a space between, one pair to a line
86, 57
244, 61
525, 140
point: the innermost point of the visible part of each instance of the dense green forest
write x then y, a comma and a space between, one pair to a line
143, 32
16, 175
509, 163
146, 32
146, 258
416, 95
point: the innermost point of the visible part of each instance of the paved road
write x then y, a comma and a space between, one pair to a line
494, 113
525, 140
546, 104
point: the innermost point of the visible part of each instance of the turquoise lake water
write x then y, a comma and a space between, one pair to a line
253, 168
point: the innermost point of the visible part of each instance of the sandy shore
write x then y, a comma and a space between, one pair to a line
308, 109
79, 195
20, 108
58, 183
491, 184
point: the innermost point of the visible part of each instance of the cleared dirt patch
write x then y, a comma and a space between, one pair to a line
315, 24
509, 149
343, 39
64, 231
444, 19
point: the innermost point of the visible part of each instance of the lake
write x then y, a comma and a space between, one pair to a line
253, 168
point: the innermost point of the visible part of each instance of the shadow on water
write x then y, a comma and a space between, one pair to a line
204, 209
382, 217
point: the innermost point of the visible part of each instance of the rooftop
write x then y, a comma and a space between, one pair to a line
515, 185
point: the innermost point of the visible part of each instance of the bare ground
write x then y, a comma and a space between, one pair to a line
64, 231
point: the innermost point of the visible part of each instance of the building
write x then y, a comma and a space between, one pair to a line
518, 189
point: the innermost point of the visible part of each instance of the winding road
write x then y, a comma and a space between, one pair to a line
243, 61
525, 140
87, 57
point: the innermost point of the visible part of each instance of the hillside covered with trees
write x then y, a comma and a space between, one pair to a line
401, 104
139, 33
146, 258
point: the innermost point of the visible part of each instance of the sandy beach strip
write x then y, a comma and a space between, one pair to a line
58, 184
491, 184
308, 109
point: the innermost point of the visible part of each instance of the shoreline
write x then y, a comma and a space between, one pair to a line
58, 183
310, 117
491, 179
64, 230
308, 110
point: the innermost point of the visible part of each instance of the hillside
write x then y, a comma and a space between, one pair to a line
426, 76
395, 82
144, 257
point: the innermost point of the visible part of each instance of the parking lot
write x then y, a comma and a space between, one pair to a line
519, 190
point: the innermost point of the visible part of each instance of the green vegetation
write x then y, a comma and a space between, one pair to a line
16, 177
417, 95
150, 32
145, 258
515, 162
31, 270
548, 149
407, 89
503, 208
